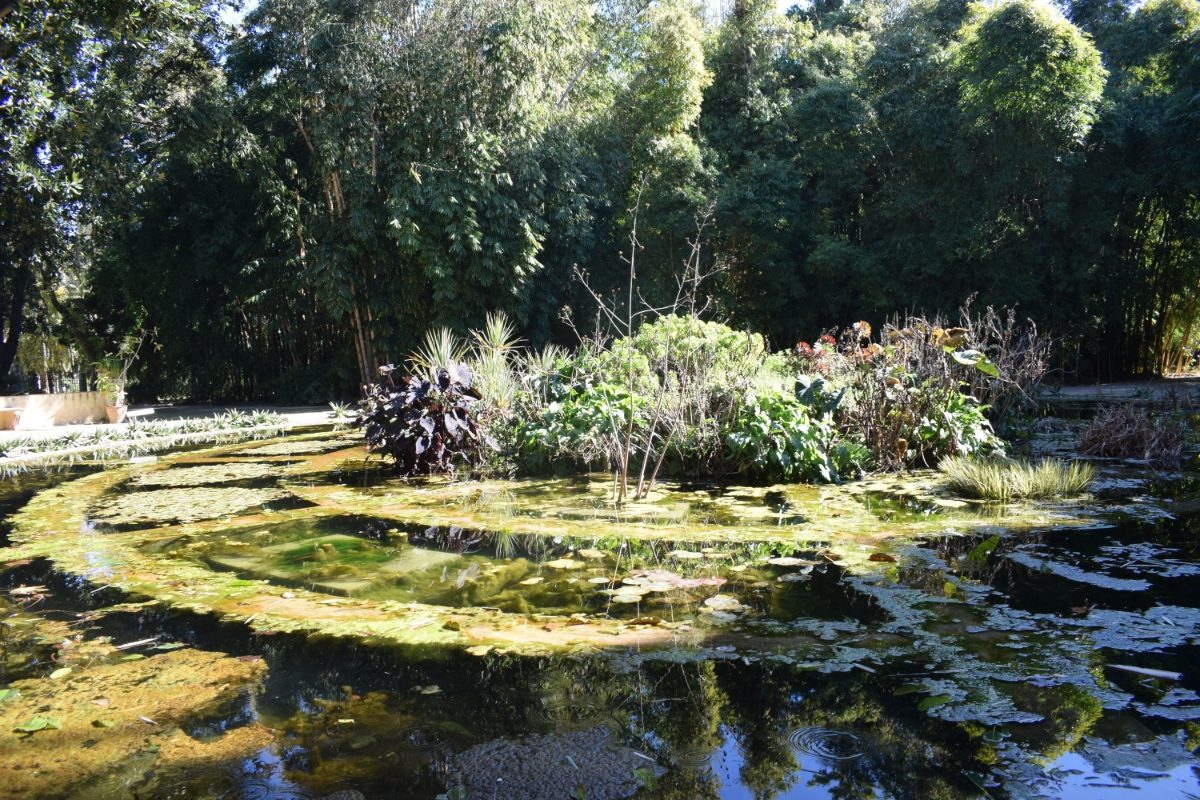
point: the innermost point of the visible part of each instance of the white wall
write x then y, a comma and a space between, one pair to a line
48, 410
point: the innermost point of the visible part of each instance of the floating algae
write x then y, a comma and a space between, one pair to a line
298, 448
206, 474
130, 715
192, 504
903, 662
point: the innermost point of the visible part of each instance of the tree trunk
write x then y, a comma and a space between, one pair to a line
16, 318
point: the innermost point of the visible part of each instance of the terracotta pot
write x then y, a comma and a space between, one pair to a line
115, 413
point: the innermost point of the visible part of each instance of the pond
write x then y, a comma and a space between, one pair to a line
285, 620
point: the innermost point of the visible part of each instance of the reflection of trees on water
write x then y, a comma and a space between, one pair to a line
759, 706
680, 713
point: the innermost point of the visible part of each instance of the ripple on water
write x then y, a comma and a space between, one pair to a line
575, 712
692, 758
272, 790
424, 738
826, 743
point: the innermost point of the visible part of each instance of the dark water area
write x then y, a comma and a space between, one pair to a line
1041, 663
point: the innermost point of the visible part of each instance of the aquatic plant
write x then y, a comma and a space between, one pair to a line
776, 437
424, 426
136, 438
903, 396
1003, 480
1131, 431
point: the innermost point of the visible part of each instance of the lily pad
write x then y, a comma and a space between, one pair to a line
723, 602
38, 724
181, 505
933, 702
789, 561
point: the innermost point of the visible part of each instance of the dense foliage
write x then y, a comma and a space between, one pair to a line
689, 398
425, 426
291, 200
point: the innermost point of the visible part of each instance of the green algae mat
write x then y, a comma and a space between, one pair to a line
881, 638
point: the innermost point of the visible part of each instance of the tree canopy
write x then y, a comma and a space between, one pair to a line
293, 200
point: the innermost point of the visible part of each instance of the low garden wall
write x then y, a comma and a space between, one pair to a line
48, 410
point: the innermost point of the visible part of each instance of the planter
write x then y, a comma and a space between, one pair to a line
115, 414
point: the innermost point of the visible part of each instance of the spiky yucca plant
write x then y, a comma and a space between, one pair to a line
440, 348
492, 360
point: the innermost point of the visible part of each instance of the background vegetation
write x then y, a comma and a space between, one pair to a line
294, 201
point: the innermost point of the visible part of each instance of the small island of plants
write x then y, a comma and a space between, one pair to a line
687, 398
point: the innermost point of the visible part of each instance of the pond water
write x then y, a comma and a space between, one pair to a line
281, 621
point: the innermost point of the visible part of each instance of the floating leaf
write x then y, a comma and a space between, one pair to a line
170, 646
38, 724
980, 552
61, 672
789, 561
933, 702
723, 602
883, 557
8, 694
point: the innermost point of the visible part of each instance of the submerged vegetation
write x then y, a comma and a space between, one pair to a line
1003, 480
773, 632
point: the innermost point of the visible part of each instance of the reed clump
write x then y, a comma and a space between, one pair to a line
1003, 480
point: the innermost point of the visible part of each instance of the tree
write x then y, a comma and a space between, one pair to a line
412, 133
84, 86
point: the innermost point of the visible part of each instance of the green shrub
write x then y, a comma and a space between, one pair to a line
774, 437
579, 427
995, 479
